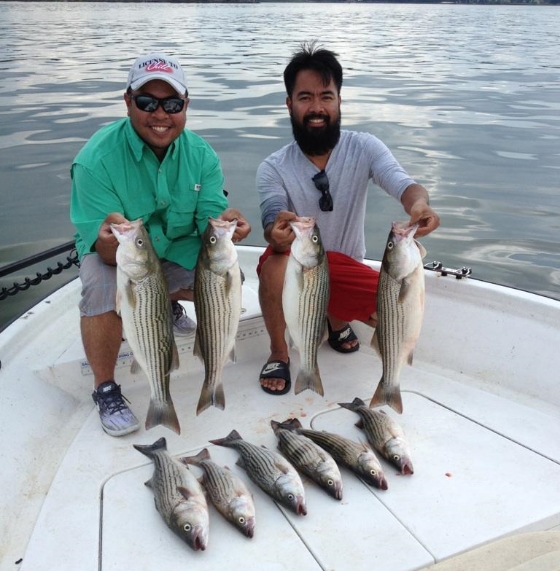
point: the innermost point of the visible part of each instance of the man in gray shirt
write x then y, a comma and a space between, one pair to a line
324, 173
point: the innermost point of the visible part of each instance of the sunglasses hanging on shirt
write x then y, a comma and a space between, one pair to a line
322, 185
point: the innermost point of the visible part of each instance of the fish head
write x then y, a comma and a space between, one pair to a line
331, 481
217, 251
242, 515
402, 253
135, 254
290, 492
397, 452
307, 248
371, 471
190, 522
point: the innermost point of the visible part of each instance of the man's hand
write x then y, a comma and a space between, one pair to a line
415, 200
106, 244
243, 227
279, 234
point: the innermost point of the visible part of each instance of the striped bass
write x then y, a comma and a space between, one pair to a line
383, 434
145, 308
305, 298
356, 456
400, 310
178, 496
227, 492
217, 302
269, 470
309, 458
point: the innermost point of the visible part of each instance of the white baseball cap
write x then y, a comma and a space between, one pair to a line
157, 66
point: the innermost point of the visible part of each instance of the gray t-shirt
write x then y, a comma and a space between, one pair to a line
284, 183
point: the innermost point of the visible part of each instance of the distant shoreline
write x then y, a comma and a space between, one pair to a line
481, 2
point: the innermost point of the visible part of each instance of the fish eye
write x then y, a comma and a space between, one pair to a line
241, 520
373, 472
396, 457
213, 240
315, 238
330, 482
187, 527
291, 497
139, 242
390, 245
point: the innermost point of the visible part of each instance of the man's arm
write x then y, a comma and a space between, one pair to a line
416, 202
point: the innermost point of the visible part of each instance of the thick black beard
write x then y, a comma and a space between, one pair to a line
316, 142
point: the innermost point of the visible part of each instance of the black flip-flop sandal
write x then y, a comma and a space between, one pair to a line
277, 370
338, 338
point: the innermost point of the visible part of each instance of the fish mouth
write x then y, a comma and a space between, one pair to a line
406, 468
198, 540
300, 507
336, 492
382, 483
403, 228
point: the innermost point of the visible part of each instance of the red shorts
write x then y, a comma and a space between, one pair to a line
353, 286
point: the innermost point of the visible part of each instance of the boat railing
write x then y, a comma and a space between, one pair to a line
71, 260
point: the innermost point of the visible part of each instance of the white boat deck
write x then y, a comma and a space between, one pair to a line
485, 447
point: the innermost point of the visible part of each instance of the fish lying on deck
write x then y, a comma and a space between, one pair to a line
307, 457
227, 492
269, 470
400, 310
178, 496
304, 299
355, 456
217, 302
383, 434
145, 308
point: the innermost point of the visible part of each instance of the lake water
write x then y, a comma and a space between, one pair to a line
467, 97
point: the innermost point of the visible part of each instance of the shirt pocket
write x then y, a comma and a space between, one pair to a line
181, 213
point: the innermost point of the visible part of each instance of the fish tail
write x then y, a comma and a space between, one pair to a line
290, 424
309, 380
232, 437
196, 459
162, 412
149, 449
211, 396
354, 405
391, 396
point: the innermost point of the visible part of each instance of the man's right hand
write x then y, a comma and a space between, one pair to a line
106, 244
279, 234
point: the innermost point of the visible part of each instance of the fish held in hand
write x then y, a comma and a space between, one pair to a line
307, 457
356, 456
269, 470
217, 302
178, 496
384, 434
305, 298
400, 310
145, 308
227, 492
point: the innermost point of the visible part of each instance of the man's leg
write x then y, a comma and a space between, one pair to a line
271, 284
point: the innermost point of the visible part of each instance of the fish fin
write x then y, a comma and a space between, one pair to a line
359, 424
185, 492
233, 355
375, 341
149, 483
240, 463
197, 350
175, 357
409, 358
382, 396
233, 436
135, 367
162, 412
149, 449
309, 380
421, 249
130, 294
211, 396
118, 302
403, 291
196, 459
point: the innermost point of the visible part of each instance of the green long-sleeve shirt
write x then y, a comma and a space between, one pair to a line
117, 172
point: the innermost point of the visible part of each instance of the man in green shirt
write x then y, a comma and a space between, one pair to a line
146, 166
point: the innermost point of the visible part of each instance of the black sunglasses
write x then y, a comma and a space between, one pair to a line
149, 104
322, 185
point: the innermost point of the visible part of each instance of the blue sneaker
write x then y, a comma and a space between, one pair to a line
116, 418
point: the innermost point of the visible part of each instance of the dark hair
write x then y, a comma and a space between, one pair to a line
315, 58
